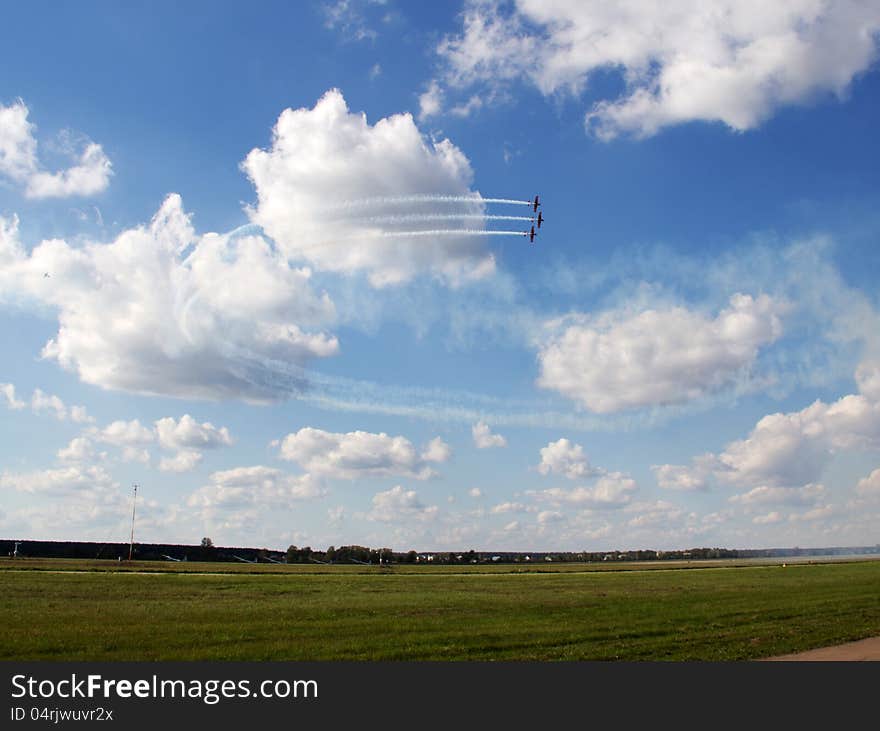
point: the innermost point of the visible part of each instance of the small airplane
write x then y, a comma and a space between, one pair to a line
540, 219
535, 204
531, 235
171, 558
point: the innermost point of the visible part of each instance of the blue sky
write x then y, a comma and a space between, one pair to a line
272, 303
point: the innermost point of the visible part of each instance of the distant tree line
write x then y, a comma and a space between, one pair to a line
351, 554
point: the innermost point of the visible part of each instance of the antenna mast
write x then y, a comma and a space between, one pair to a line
133, 506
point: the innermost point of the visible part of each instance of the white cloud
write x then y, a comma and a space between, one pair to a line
870, 486
484, 438
550, 516
42, 402
80, 415
436, 451
18, 148
508, 507
431, 101
806, 495
562, 457
868, 379
125, 433
819, 513
7, 391
475, 492
336, 515
620, 360
612, 490
80, 449
134, 454
187, 433
469, 107
253, 486
789, 450
73, 480
330, 186
19, 161
734, 62
357, 454
685, 478
768, 518
162, 311
184, 461
649, 515
398, 505
349, 17
91, 175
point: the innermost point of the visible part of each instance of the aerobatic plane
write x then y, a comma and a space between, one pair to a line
531, 235
540, 219
535, 204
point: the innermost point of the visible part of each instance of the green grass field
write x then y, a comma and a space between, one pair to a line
82, 610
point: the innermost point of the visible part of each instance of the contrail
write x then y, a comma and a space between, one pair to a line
335, 393
443, 217
431, 198
451, 232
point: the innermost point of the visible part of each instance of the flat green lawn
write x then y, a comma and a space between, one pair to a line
731, 613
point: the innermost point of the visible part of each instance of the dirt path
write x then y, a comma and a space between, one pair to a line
868, 649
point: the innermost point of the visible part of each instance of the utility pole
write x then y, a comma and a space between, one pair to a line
133, 506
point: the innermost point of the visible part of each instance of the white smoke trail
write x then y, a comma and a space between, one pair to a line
429, 198
334, 393
451, 232
412, 217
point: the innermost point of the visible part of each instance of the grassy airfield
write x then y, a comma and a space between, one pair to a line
706, 610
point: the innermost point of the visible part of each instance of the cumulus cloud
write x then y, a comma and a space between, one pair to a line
399, 506
659, 513
806, 495
187, 433
185, 436
163, 311
563, 457
134, 454
869, 486
80, 449
768, 518
484, 438
19, 161
788, 450
75, 480
620, 360
7, 392
253, 486
436, 451
612, 490
430, 101
44, 402
683, 477
184, 461
550, 516
475, 492
331, 184
80, 415
732, 62
508, 507
359, 454
125, 434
